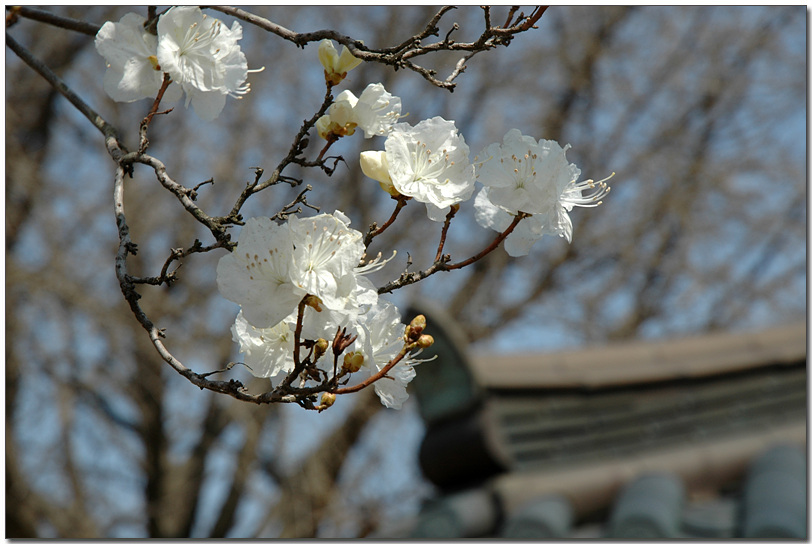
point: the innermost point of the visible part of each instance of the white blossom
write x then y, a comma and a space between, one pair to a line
256, 275
522, 175
268, 351
201, 54
341, 111
274, 266
376, 111
132, 65
525, 175
325, 255
324, 126
429, 162
340, 119
380, 337
198, 52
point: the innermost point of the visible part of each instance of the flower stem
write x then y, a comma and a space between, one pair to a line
451, 213
330, 141
144, 142
297, 342
372, 379
442, 263
494, 245
373, 233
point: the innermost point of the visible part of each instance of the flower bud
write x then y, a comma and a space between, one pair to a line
323, 126
418, 324
327, 400
320, 348
425, 341
336, 66
374, 165
353, 361
342, 109
415, 328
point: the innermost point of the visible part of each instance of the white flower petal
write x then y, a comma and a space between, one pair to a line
525, 175
489, 215
207, 105
130, 52
326, 251
268, 351
377, 111
256, 274
374, 165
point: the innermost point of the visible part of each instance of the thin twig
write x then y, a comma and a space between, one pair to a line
399, 56
451, 213
375, 377
511, 13
297, 343
181, 193
301, 198
331, 139
144, 142
300, 143
408, 278
373, 232
177, 254
494, 245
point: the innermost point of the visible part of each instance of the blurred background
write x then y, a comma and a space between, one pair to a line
701, 112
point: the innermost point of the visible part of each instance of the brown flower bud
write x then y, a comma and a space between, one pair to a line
415, 328
320, 348
327, 400
425, 341
353, 361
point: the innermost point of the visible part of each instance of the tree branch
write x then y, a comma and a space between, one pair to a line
56, 20
399, 56
441, 264
110, 133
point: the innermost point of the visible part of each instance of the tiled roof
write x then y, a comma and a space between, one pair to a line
638, 362
575, 431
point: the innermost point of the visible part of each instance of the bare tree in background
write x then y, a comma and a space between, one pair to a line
700, 111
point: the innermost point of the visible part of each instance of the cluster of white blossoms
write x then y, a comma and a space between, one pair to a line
198, 52
313, 265
429, 162
275, 266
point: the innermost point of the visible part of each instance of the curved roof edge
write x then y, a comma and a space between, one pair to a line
642, 361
